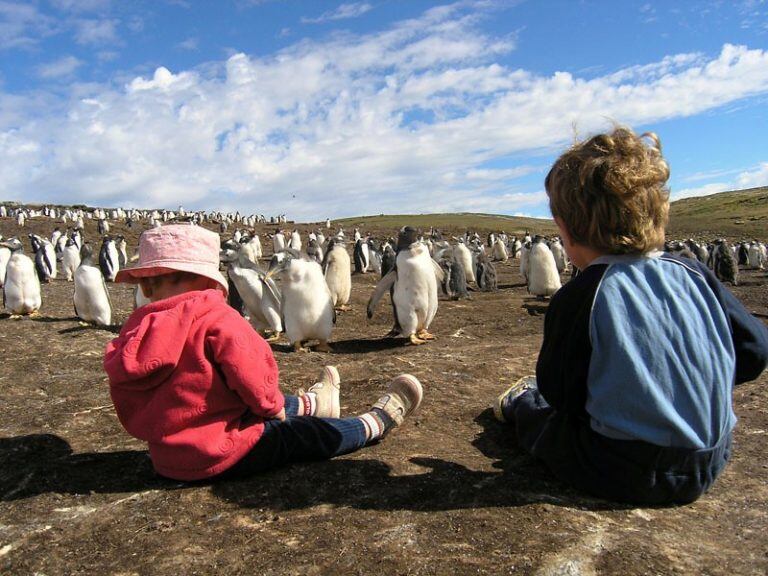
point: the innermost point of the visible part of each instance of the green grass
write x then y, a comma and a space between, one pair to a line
739, 214
481, 223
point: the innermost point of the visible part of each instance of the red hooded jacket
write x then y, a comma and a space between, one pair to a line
192, 378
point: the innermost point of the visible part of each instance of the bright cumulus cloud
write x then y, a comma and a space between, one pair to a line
414, 118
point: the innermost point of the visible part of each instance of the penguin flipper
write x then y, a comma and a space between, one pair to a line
381, 288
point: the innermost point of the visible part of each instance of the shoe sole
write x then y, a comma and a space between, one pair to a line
408, 387
519, 386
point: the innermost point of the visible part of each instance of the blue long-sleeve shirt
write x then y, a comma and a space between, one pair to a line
648, 348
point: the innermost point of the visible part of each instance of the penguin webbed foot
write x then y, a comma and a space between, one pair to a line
415, 340
345, 308
323, 346
424, 335
273, 337
297, 347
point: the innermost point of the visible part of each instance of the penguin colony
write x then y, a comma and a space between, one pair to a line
309, 279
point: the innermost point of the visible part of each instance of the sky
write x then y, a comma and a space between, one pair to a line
317, 109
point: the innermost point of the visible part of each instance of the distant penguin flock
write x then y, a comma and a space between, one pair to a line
309, 278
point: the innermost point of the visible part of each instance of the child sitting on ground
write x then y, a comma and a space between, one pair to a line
632, 399
191, 377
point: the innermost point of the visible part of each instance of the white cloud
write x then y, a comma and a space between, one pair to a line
706, 190
22, 25
188, 44
754, 178
343, 12
100, 31
63, 67
403, 120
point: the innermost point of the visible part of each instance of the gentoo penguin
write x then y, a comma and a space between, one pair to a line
525, 251
754, 256
327, 223
91, 299
260, 296
499, 251
374, 256
338, 273
295, 243
463, 255
122, 251
387, 259
455, 279
70, 259
278, 241
55, 235
307, 306
314, 251
21, 289
414, 281
361, 255
45, 258
102, 227
109, 259
559, 253
252, 248
724, 263
543, 278
321, 239
485, 273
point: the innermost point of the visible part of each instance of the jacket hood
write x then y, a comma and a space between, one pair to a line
152, 340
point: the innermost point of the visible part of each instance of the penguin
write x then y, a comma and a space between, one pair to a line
754, 256
499, 251
337, 268
414, 283
485, 273
140, 300
361, 255
260, 296
70, 259
561, 260
102, 227
21, 289
252, 248
463, 255
45, 258
295, 243
724, 263
314, 251
455, 279
387, 259
374, 256
543, 278
6, 249
308, 312
743, 254
91, 298
525, 251
122, 251
109, 259
278, 242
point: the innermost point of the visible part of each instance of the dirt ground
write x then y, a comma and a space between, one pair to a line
449, 493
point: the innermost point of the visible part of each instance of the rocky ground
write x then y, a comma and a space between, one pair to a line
449, 493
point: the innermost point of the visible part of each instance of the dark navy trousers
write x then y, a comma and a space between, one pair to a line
300, 439
619, 470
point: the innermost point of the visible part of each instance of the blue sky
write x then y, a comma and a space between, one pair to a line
325, 109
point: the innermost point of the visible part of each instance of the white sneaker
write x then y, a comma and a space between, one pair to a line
326, 393
402, 398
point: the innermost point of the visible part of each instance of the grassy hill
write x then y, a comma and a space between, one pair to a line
739, 214
482, 223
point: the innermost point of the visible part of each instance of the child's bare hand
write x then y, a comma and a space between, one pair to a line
280, 415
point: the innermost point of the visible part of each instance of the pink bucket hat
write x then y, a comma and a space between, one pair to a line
176, 248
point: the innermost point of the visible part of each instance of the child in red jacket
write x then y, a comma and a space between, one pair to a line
191, 377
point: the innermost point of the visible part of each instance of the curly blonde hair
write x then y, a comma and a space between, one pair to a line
610, 192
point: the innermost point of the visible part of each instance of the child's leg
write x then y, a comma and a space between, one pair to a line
303, 438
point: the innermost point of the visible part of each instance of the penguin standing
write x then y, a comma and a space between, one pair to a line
724, 263
361, 255
295, 243
307, 306
260, 296
414, 283
91, 298
5, 256
559, 253
45, 258
70, 259
485, 273
109, 259
122, 251
21, 289
499, 251
455, 279
314, 251
338, 274
252, 248
543, 278
278, 242
387, 259
463, 255
525, 251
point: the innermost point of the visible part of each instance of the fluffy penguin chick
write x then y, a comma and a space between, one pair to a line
338, 274
91, 298
21, 290
307, 306
543, 278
